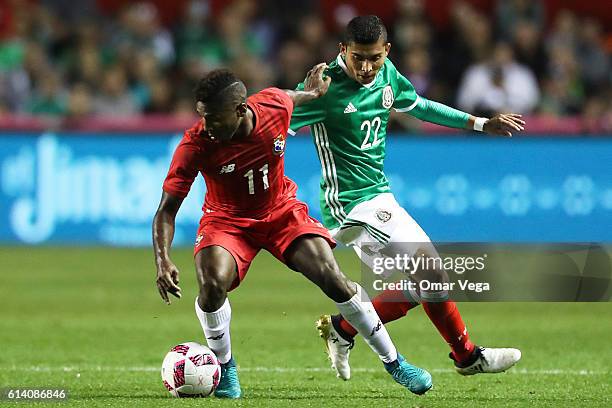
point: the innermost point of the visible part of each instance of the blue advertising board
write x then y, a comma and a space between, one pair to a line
103, 189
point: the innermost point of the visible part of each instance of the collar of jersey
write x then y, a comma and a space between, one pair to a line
342, 64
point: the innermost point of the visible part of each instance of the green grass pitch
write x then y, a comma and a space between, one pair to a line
90, 320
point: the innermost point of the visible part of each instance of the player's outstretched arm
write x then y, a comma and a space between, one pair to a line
501, 124
163, 233
314, 86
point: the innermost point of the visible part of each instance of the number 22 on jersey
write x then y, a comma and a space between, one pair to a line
370, 127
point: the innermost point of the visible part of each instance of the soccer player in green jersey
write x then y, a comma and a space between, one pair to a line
349, 128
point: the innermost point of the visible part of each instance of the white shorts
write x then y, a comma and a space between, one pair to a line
381, 228
373, 227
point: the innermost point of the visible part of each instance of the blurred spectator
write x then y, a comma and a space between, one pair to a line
594, 63
564, 32
498, 85
412, 27
80, 103
410, 34
14, 89
114, 97
315, 41
193, 31
144, 74
161, 99
140, 30
87, 65
563, 87
292, 58
48, 98
511, 12
529, 48
416, 65
467, 42
254, 72
412, 10
232, 39
184, 108
593, 115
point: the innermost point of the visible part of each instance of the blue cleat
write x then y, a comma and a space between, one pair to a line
417, 380
229, 386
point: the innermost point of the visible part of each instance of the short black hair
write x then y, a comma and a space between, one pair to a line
212, 84
365, 30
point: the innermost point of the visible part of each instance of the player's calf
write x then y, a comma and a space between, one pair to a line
312, 257
215, 271
332, 281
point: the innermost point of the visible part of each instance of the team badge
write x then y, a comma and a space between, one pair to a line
387, 97
383, 215
279, 145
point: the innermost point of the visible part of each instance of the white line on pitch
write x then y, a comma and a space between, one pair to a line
522, 371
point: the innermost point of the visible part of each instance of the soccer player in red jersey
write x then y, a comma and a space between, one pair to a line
250, 204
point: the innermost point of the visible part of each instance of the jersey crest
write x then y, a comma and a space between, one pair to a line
387, 97
383, 215
279, 145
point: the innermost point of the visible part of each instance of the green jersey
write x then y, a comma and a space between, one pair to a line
349, 125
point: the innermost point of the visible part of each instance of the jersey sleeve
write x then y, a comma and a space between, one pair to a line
440, 114
307, 114
277, 98
182, 171
406, 97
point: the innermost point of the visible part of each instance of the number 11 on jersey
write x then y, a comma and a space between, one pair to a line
264, 175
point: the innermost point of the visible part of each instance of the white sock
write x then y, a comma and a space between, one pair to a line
216, 326
360, 313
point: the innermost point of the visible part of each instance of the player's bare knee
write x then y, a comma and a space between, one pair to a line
213, 290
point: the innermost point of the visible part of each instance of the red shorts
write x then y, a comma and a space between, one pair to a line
244, 237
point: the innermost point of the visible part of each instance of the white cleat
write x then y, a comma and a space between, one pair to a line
338, 349
490, 360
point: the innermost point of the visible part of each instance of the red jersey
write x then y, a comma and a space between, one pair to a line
244, 177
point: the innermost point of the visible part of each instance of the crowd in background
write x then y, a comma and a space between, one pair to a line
68, 59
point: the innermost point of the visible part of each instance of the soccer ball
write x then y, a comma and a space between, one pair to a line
190, 370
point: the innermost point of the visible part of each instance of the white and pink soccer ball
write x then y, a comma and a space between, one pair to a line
191, 370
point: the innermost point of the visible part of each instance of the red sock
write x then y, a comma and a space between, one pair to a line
390, 305
447, 319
